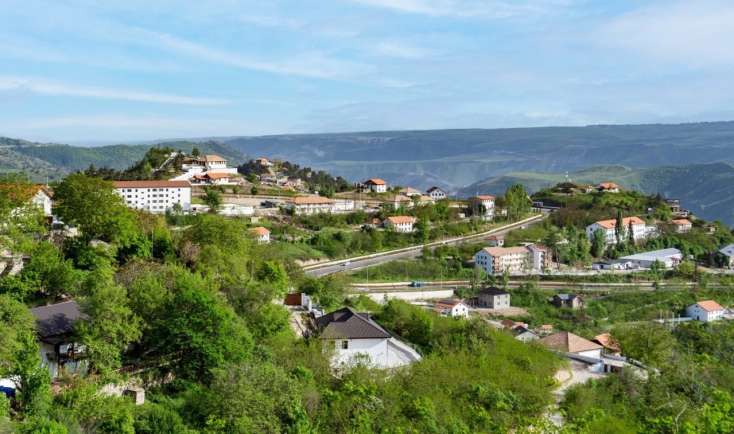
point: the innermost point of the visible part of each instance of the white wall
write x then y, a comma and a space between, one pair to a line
156, 199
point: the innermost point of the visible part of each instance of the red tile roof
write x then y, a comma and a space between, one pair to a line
569, 343
214, 159
312, 200
611, 223
259, 230
500, 251
484, 197
401, 219
709, 305
608, 186
681, 222
375, 181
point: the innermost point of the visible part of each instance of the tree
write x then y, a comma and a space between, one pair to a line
650, 343
194, 331
517, 202
20, 357
212, 198
619, 227
598, 243
195, 152
91, 204
109, 326
630, 234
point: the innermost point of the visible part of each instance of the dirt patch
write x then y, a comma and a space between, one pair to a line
504, 312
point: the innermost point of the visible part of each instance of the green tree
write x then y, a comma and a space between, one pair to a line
195, 151
93, 206
20, 357
598, 243
109, 326
649, 343
212, 198
517, 202
619, 227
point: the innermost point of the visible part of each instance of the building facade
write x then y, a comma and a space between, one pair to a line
639, 229
436, 193
493, 298
401, 223
375, 185
482, 206
306, 205
705, 311
497, 260
155, 196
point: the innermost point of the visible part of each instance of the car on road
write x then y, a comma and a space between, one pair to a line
416, 284
346, 263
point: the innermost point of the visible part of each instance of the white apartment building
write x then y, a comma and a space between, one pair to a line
214, 162
497, 260
482, 205
639, 229
155, 196
305, 205
400, 223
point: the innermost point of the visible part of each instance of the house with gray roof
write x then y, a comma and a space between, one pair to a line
55, 328
356, 338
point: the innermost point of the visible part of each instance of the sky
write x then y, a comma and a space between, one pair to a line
85, 71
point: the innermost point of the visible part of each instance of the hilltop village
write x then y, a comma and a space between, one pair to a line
130, 300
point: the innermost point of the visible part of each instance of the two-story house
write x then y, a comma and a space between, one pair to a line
306, 205
492, 298
482, 206
55, 326
705, 310
375, 185
400, 223
639, 229
453, 308
436, 193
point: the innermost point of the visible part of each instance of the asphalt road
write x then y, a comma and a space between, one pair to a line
360, 263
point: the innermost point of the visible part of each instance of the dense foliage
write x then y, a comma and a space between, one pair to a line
188, 310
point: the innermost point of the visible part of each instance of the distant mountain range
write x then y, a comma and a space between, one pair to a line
705, 189
452, 159
52, 161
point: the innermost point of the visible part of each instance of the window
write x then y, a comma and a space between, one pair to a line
345, 345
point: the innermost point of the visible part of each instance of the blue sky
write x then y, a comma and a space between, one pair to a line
125, 70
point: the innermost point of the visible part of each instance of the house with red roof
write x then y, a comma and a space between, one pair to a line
400, 223
639, 229
482, 206
375, 185
705, 311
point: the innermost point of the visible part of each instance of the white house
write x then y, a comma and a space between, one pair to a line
436, 193
400, 223
262, 234
608, 187
357, 338
214, 162
43, 199
682, 226
155, 196
306, 205
669, 258
483, 206
706, 310
55, 328
376, 185
410, 192
639, 229
728, 253
452, 307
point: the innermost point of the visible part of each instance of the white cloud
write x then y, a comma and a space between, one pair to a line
468, 8
400, 50
310, 64
43, 86
698, 33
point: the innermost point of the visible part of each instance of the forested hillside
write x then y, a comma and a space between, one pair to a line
705, 189
52, 161
456, 158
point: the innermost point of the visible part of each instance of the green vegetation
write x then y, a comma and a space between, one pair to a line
690, 391
185, 304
